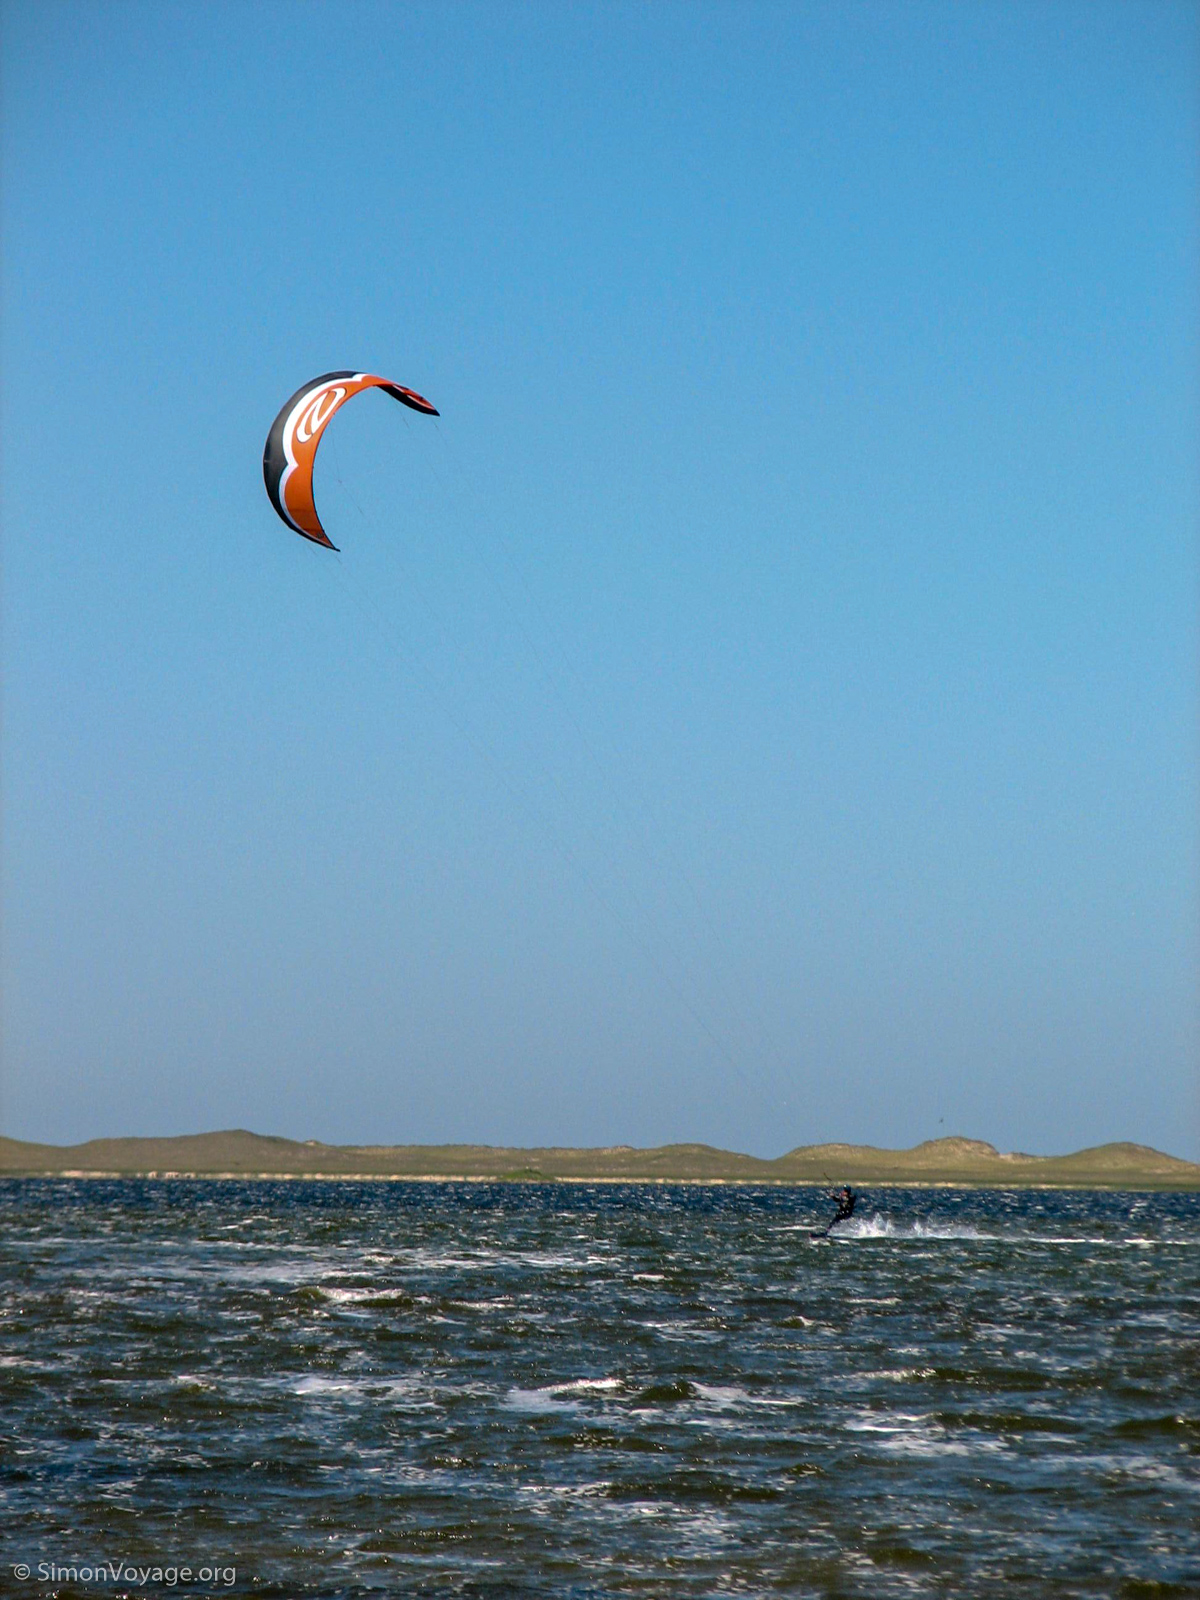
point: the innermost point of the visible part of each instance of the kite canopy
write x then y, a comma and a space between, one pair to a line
296, 432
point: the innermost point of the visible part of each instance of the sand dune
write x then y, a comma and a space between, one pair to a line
237, 1153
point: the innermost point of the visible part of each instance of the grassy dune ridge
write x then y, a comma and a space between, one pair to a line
957, 1161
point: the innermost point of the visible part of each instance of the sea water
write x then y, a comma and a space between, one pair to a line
426, 1389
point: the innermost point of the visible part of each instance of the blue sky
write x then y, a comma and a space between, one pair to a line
762, 709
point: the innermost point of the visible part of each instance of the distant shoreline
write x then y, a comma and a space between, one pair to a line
938, 1163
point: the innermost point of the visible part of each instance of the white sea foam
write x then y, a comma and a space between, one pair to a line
437, 1261
942, 1445
895, 1375
299, 1272
407, 1393
537, 1401
556, 1258
317, 1385
542, 1496
881, 1227
681, 1332
376, 1296
886, 1422
722, 1397
915, 1434
556, 1397
878, 1226
1146, 1469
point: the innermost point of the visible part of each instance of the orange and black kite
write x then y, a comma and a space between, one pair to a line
295, 434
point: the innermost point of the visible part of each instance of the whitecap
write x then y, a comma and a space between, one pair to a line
913, 1434
317, 1385
897, 1375
537, 1402
584, 1384
722, 1396
554, 1397
358, 1296
681, 1332
920, 1444
886, 1422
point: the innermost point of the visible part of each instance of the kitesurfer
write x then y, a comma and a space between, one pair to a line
846, 1202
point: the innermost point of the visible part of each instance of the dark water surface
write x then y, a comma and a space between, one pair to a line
422, 1389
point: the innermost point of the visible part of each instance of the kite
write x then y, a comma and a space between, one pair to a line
296, 432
